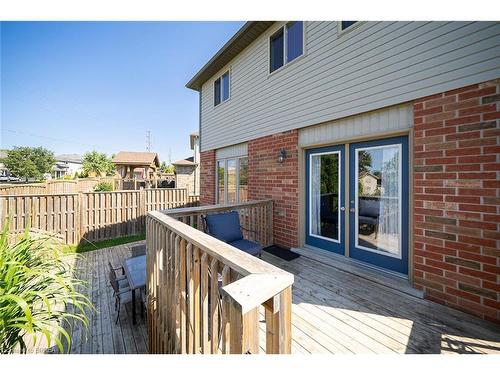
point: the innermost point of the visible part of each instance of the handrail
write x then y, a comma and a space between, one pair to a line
239, 261
256, 217
204, 295
214, 207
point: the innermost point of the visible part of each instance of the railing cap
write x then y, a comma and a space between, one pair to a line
250, 291
214, 207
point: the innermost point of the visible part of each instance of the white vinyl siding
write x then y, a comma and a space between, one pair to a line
399, 117
374, 65
232, 151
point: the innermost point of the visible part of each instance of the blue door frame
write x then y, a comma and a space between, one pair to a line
396, 264
318, 241
380, 258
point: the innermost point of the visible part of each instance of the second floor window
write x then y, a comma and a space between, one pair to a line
286, 45
345, 24
221, 89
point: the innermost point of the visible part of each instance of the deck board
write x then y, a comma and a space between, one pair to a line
334, 311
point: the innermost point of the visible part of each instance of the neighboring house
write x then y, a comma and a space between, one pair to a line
137, 165
67, 165
369, 183
187, 171
419, 98
4, 172
194, 143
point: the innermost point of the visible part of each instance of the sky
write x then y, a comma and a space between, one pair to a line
77, 86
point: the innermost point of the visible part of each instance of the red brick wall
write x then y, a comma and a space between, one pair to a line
207, 177
457, 204
268, 179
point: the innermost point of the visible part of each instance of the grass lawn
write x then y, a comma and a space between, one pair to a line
84, 246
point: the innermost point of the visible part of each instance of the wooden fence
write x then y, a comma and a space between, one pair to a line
204, 296
57, 186
91, 216
15, 189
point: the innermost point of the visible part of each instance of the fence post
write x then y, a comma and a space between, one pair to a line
80, 216
270, 224
2, 212
142, 210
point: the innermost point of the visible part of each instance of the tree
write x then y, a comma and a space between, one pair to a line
29, 162
364, 161
167, 168
97, 163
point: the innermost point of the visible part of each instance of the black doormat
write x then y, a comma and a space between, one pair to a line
281, 252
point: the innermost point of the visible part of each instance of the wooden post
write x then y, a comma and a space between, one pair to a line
183, 295
3, 212
214, 305
270, 223
79, 217
142, 209
279, 323
205, 349
244, 333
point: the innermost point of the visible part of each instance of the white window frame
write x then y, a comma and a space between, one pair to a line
399, 146
285, 63
228, 71
354, 26
339, 240
225, 161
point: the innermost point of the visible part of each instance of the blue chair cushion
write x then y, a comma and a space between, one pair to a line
369, 208
252, 248
224, 226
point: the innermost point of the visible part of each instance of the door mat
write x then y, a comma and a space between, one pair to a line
281, 252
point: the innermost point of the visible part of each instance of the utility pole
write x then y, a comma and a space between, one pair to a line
148, 140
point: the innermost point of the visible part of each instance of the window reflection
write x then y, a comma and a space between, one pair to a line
220, 181
231, 181
243, 180
378, 190
325, 195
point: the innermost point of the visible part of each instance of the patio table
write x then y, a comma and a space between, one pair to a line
135, 270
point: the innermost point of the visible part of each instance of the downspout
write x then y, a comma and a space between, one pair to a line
199, 144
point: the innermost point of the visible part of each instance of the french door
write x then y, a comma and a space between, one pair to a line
377, 210
325, 219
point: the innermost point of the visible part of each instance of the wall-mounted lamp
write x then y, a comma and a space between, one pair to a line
281, 156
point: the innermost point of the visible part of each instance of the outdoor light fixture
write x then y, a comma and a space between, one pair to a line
281, 155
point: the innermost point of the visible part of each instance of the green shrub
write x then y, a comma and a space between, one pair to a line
36, 288
103, 186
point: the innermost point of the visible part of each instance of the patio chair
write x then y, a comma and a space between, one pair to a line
369, 213
138, 250
122, 279
123, 295
226, 227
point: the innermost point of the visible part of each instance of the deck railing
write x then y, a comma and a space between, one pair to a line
205, 296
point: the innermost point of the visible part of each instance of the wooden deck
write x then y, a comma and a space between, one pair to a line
333, 311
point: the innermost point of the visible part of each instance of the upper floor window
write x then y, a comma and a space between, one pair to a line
345, 24
221, 89
286, 44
